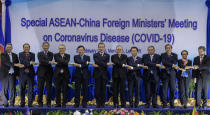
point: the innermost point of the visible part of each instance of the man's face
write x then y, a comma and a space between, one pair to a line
184, 55
45, 47
62, 49
168, 49
119, 50
134, 52
81, 51
8, 48
151, 51
201, 52
26, 48
101, 47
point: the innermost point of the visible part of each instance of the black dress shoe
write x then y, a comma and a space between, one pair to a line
146, 105
123, 105
30, 105
6, 105
164, 106
48, 105
185, 106
98, 106
57, 105
102, 106
40, 105
172, 106
76, 105
12, 105
22, 105
155, 106
116, 106
136, 106
63, 105
84, 106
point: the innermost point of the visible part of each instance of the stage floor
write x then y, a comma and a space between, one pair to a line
45, 109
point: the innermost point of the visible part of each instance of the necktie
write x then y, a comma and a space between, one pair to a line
201, 59
151, 57
27, 58
81, 57
45, 53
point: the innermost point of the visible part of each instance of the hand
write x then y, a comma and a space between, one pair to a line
158, 65
21, 66
91, 63
130, 67
183, 70
175, 66
195, 67
162, 67
34, 63
51, 62
110, 63
95, 65
55, 63
145, 67
71, 63
77, 65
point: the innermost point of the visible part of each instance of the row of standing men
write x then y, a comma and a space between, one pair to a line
155, 68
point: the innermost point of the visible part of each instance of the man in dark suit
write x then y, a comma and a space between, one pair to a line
151, 76
184, 77
82, 75
45, 73
169, 61
119, 76
61, 75
10, 71
134, 76
27, 74
101, 74
201, 76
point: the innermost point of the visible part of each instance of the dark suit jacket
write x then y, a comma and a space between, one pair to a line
101, 61
203, 67
168, 62
118, 70
44, 66
26, 63
62, 63
136, 72
83, 70
151, 66
6, 64
181, 65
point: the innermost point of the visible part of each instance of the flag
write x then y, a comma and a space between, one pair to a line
195, 112
7, 23
2, 42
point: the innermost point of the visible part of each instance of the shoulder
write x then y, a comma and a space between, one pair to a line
14, 54
67, 55
174, 54
157, 55
32, 53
